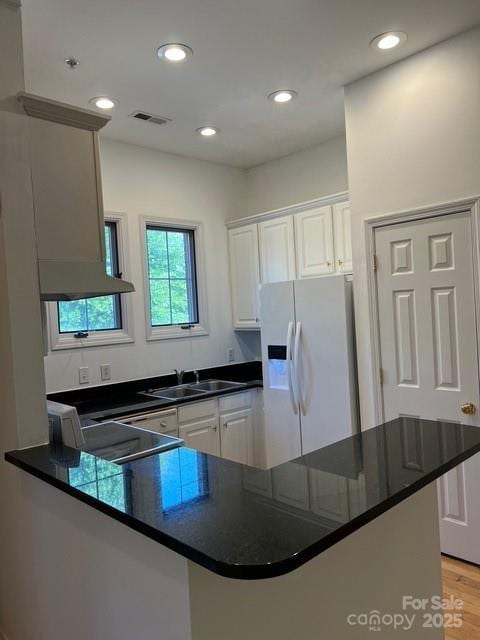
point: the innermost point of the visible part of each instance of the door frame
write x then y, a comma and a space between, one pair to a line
371, 224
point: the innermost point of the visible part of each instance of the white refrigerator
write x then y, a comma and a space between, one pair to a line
309, 368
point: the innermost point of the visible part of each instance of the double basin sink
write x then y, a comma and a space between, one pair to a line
182, 391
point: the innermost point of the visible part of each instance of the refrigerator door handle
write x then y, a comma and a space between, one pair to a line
296, 368
289, 368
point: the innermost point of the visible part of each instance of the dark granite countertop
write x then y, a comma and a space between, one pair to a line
233, 519
110, 401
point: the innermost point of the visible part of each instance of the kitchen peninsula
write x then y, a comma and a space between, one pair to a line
286, 552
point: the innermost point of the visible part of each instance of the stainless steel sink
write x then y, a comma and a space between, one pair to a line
215, 385
174, 393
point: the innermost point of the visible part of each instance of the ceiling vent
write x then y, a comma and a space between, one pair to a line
149, 117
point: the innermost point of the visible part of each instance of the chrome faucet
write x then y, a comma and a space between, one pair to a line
197, 376
180, 375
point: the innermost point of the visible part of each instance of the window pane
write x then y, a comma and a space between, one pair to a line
176, 255
172, 276
160, 302
101, 313
109, 248
179, 297
95, 314
157, 253
72, 316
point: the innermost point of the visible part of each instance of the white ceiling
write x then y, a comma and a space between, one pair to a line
243, 50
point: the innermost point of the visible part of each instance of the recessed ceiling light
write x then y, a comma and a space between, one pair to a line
388, 40
103, 102
207, 132
174, 52
284, 95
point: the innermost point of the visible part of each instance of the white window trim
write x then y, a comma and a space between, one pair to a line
165, 333
59, 341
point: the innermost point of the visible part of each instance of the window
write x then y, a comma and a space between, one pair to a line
173, 280
172, 276
95, 314
96, 321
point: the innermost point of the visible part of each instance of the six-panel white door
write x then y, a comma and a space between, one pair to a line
343, 236
277, 250
244, 276
429, 354
314, 242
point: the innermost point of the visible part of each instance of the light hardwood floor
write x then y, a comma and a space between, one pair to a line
462, 580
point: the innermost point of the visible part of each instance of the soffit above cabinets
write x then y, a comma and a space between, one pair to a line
242, 51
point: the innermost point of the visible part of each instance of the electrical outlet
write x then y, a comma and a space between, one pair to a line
230, 354
106, 371
83, 376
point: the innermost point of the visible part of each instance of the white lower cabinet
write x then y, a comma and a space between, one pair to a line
236, 427
235, 435
202, 436
219, 426
198, 426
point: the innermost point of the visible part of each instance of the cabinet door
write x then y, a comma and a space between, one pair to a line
236, 436
343, 237
244, 276
202, 436
314, 242
277, 250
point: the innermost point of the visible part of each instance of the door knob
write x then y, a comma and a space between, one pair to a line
469, 408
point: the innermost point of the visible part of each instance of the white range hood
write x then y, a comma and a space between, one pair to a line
77, 280
67, 194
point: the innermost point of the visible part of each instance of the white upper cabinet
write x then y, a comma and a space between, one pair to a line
244, 276
314, 242
277, 250
343, 237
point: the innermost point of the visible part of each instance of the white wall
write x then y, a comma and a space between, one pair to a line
140, 181
305, 175
413, 136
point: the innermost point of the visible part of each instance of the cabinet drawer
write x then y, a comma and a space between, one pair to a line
197, 410
235, 402
159, 421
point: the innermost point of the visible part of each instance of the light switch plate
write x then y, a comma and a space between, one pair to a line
83, 377
230, 354
106, 371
